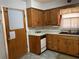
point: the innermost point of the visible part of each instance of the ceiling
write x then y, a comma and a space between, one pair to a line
44, 1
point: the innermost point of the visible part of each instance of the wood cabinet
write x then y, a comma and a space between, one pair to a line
51, 17
37, 44
75, 9
47, 19
38, 17
35, 17
70, 10
64, 44
65, 11
52, 42
54, 16
76, 47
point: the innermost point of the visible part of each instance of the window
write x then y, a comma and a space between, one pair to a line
70, 21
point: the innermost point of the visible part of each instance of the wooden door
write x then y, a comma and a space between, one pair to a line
70, 45
54, 14
34, 18
40, 18
76, 46
29, 16
35, 46
52, 42
62, 47
17, 46
47, 20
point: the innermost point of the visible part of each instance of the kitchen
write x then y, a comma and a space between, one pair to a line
39, 29
59, 33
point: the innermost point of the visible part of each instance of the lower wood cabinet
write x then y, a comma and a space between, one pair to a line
37, 44
76, 47
52, 43
63, 43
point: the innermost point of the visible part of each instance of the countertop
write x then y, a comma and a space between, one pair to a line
64, 34
49, 30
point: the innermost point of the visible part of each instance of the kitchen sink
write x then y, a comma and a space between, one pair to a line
38, 31
69, 33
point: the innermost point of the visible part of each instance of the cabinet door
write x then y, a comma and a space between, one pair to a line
47, 20
70, 44
34, 42
76, 47
55, 42
54, 15
62, 44
49, 42
52, 42
66, 11
29, 17
40, 18
34, 15
75, 10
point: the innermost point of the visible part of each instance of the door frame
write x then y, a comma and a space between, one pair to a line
4, 29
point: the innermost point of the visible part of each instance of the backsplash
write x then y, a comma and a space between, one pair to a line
46, 29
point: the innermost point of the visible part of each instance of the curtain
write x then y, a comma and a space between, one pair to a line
70, 21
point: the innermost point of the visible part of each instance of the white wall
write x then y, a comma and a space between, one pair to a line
36, 4
13, 4
58, 3
18, 4
28, 3
53, 4
2, 43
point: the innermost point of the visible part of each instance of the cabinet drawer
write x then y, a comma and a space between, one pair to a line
43, 49
43, 42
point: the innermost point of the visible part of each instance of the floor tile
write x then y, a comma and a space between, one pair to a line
47, 55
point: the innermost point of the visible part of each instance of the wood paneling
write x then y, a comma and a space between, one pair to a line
42, 18
54, 13
16, 47
47, 20
52, 42
35, 46
64, 44
35, 17
70, 10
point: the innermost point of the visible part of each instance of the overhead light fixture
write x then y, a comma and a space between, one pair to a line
69, 1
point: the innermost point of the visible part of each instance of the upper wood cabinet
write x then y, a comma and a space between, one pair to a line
54, 16
35, 17
69, 10
38, 17
47, 18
